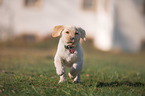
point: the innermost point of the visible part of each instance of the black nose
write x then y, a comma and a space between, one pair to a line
72, 38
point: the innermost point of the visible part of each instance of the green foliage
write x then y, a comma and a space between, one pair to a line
30, 72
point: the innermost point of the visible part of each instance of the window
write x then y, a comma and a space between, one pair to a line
32, 3
1, 2
106, 5
89, 5
143, 45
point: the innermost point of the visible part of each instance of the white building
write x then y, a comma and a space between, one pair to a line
112, 24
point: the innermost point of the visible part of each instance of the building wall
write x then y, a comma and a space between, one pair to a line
104, 25
119, 25
42, 19
129, 26
112, 24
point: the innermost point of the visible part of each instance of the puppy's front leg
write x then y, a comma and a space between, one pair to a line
60, 70
75, 72
59, 66
62, 78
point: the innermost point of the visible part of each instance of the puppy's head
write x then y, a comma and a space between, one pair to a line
70, 35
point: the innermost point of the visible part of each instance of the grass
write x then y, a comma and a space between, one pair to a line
29, 71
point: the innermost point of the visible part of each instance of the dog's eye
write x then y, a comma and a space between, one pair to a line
67, 32
76, 33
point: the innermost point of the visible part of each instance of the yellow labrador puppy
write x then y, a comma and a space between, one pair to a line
69, 52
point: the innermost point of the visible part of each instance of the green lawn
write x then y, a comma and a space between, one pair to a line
29, 70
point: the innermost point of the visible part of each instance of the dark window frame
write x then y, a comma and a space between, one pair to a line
1, 2
32, 3
89, 5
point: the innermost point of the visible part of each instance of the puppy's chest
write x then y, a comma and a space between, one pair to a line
70, 58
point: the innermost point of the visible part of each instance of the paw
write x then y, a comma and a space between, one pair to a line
70, 76
62, 81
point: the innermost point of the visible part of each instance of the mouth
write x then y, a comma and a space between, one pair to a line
70, 43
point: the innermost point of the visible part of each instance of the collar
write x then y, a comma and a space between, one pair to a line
70, 48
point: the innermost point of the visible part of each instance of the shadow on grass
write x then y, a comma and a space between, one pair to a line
117, 84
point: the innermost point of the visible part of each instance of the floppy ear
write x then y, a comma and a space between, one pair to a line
57, 30
83, 33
